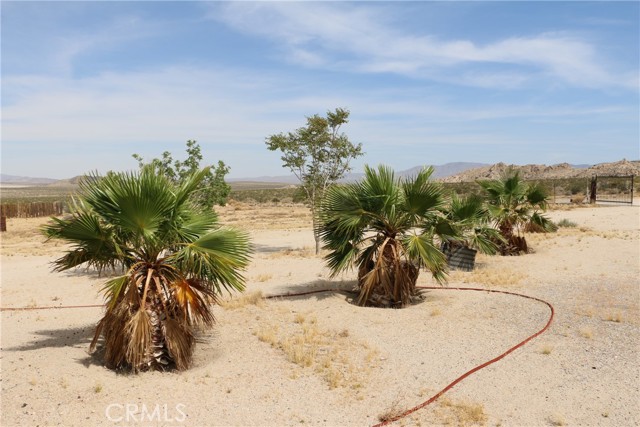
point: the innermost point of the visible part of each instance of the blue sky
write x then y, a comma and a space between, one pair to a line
87, 84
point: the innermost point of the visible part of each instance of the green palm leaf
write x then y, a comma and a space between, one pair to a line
216, 258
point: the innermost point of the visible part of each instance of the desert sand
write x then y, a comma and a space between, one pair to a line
320, 360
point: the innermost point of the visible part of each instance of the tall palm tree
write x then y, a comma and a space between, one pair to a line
174, 257
387, 228
516, 206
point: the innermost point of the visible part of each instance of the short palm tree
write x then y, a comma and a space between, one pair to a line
387, 228
470, 216
174, 257
516, 206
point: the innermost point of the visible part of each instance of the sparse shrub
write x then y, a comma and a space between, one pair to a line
566, 223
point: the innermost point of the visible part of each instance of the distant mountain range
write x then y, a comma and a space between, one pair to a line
13, 179
440, 171
448, 172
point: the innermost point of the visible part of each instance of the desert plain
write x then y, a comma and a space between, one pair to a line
320, 360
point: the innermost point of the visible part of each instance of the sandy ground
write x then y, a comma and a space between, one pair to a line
320, 360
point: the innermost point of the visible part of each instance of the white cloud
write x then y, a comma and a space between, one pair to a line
177, 103
315, 34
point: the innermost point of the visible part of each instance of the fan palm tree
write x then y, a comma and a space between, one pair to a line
470, 218
387, 228
472, 221
516, 206
174, 257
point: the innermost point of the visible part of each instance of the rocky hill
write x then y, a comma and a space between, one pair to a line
562, 170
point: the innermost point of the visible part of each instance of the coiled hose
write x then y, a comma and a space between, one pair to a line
417, 407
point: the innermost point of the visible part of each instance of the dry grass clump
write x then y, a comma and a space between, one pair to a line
331, 354
435, 312
394, 410
586, 333
546, 349
262, 217
557, 420
609, 306
263, 277
234, 206
577, 199
614, 317
23, 237
488, 276
304, 252
252, 298
460, 413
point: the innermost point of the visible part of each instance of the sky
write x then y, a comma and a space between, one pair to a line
87, 84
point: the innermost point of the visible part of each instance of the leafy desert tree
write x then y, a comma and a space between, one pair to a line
318, 155
174, 257
212, 190
389, 228
515, 207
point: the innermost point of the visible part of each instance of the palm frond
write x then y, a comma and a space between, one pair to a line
180, 342
537, 196
138, 340
216, 258
94, 243
485, 239
421, 195
421, 247
541, 224
114, 290
194, 301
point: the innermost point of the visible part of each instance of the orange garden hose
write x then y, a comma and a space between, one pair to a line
485, 364
415, 408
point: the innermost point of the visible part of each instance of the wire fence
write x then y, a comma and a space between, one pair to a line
613, 189
596, 189
31, 209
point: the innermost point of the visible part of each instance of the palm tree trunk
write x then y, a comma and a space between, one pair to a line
514, 244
